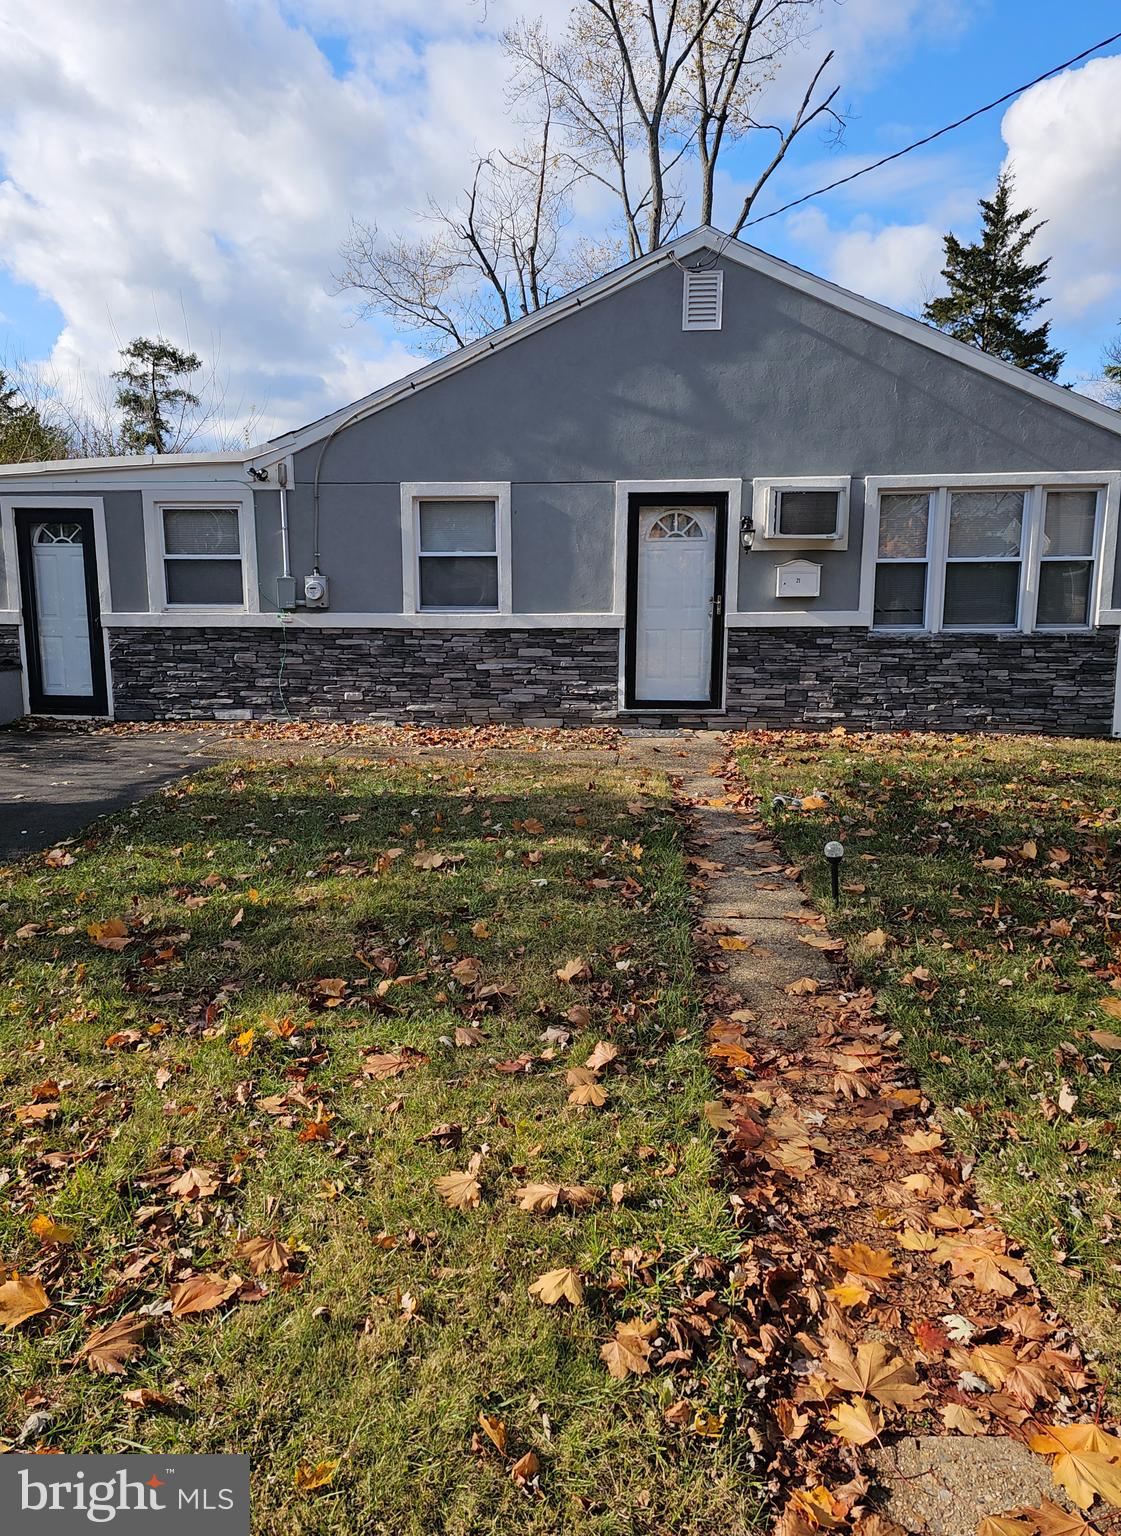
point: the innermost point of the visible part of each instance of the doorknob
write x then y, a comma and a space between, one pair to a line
718, 604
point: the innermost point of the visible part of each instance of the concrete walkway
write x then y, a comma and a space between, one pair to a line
54, 783
746, 894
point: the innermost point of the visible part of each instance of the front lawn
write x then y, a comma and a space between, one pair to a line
244, 1034
981, 896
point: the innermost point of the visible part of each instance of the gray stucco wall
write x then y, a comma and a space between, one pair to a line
789, 386
124, 530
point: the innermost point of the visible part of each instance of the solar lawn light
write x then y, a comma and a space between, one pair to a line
834, 853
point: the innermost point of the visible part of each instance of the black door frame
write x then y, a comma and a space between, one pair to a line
719, 501
40, 703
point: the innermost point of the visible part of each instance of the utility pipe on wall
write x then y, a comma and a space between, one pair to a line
285, 553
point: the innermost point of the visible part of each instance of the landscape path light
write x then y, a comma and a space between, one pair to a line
835, 852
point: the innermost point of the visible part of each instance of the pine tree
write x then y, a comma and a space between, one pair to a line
25, 437
994, 290
149, 389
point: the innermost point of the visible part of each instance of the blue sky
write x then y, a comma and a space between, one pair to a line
212, 202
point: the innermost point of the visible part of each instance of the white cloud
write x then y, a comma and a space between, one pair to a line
199, 159
1064, 147
897, 264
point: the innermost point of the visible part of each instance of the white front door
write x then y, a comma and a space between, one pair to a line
673, 612
58, 566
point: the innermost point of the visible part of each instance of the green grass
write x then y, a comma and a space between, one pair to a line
242, 889
1018, 959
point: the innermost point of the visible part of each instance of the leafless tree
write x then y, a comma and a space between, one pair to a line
1111, 373
78, 406
637, 97
495, 254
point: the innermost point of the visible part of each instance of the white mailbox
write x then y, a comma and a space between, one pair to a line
798, 578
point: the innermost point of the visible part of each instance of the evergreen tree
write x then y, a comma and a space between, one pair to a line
25, 437
150, 390
994, 289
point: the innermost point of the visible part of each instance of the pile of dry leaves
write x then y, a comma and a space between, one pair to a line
878, 1298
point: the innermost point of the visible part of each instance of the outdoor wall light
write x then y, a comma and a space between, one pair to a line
747, 531
835, 852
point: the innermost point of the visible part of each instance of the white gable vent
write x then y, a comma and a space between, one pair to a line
702, 303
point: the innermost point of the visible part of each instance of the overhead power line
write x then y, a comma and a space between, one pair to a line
930, 137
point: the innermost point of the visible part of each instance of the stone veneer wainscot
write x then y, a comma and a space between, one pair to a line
1060, 683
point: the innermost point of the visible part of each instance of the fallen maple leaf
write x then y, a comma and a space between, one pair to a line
525, 1469
603, 1054
1051, 1520
111, 934
862, 1260
720, 1115
574, 970
495, 1430
1004, 1525
147, 1397
855, 1422
1085, 1461
312, 1475
558, 1285
803, 986
392, 1064
48, 1231
107, 1349
547, 1197
876, 941
1106, 1039
709, 1425
460, 1190
628, 1352
957, 1417
202, 1293
988, 1270
874, 1373
264, 1254
848, 1295
21, 1297
923, 1141
195, 1184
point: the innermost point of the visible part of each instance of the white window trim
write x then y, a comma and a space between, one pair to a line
1035, 486
1039, 560
156, 502
764, 511
14, 614
926, 558
413, 492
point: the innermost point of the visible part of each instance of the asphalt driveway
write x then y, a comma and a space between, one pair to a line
54, 783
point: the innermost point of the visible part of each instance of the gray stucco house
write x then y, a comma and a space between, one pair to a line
708, 488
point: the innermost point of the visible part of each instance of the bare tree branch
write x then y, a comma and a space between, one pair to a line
630, 96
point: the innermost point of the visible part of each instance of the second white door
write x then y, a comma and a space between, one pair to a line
674, 618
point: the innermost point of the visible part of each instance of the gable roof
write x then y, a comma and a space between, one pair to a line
710, 240
705, 239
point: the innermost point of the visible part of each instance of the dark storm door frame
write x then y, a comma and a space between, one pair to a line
97, 701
